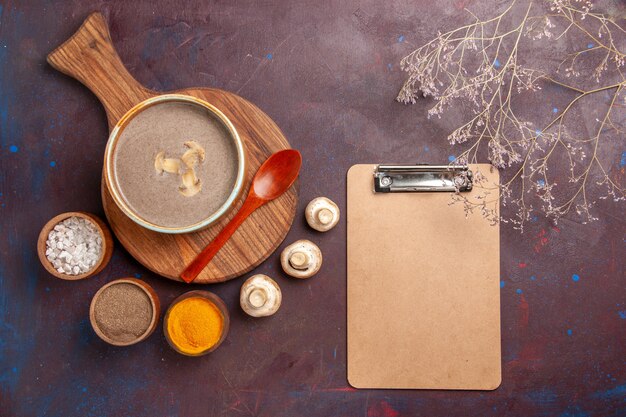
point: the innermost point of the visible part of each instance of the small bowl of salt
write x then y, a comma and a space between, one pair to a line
75, 245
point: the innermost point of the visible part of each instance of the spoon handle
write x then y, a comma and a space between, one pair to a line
203, 258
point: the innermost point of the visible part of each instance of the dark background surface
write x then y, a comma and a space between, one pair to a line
327, 72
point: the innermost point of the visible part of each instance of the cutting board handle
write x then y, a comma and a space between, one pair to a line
90, 57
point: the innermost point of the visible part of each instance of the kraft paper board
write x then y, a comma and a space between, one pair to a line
423, 289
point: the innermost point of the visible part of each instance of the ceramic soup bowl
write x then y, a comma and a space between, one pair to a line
175, 164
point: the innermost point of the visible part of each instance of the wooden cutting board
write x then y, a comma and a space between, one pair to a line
89, 56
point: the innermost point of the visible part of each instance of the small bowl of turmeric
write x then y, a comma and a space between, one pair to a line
196, 323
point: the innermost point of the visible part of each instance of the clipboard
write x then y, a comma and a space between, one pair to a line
423, 279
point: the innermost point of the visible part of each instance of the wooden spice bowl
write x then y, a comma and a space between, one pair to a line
213, 298
154, 303
103, 230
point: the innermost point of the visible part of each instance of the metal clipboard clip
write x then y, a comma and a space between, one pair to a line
422, 178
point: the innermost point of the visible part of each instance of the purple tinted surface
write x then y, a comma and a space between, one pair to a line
327, 72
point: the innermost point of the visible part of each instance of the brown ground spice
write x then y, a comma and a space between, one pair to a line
123, 312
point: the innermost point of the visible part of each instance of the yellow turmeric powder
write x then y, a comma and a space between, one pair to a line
194, 325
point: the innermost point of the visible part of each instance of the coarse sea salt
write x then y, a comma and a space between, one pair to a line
74, 246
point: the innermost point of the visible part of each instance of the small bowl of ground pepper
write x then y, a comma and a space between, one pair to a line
124, 312
196, 323
75, 245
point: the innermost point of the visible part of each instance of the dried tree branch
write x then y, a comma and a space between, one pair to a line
479, 63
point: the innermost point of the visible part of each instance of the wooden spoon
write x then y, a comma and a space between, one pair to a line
272, 179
